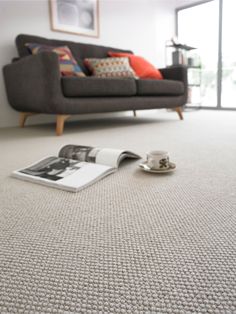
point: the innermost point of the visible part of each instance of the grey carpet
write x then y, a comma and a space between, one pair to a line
134, 242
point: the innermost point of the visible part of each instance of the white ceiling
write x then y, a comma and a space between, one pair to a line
180, 3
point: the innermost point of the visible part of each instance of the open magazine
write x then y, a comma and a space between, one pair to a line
75, 167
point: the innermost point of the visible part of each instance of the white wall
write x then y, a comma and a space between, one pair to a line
142, 26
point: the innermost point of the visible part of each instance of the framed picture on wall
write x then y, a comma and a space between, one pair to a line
75, 16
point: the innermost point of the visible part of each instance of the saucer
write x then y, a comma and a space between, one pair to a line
145, 167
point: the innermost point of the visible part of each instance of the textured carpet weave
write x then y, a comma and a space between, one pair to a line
134, 242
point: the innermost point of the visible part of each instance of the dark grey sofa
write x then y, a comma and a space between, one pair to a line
34, 85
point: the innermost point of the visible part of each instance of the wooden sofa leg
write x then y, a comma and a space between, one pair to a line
179, 112
134, 111
61, 118
23, 117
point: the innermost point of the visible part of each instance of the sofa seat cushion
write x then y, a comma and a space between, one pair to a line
148, 87
93, 86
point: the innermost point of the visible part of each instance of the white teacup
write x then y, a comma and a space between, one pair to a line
158, 160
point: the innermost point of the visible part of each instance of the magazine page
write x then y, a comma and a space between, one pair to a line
113, 157
79, 152
66, 174
104, 156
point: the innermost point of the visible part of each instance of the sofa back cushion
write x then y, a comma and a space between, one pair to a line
80, 51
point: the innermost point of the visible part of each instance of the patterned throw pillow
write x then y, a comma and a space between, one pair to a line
142, 68
110, 67
68, 64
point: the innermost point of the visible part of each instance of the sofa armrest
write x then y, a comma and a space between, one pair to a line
176, 72
33, 83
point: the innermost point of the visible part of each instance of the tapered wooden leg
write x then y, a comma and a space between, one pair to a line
134, 111
23, 117
61, 118
179, 112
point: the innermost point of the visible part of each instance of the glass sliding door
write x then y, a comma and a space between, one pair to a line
228, 85
198, 26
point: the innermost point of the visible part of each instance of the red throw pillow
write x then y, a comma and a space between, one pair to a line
142, 67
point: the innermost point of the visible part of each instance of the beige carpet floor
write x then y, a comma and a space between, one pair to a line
134, 242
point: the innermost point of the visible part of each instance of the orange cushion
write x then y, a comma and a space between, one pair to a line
142, 67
